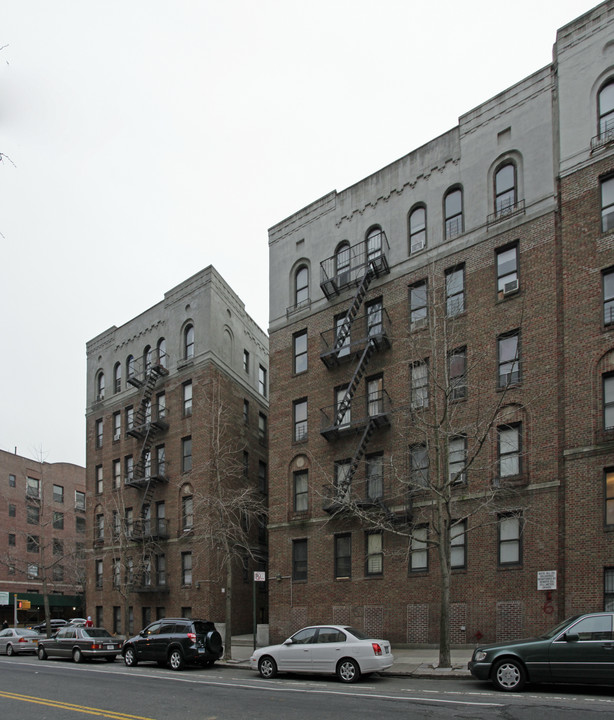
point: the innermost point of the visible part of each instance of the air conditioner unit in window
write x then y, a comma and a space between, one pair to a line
417, 246
116, 436
417, 324
510, 287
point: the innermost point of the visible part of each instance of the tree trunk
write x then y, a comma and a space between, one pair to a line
228, 631
444, 604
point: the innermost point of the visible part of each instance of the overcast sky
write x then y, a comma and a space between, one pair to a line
151, 138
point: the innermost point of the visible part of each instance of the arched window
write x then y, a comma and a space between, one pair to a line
505, 189
100, 386
117, 377
453, 213
129, 367
342, 263
147, 359
417, 229
301, 294
374, 244
606, 109
162, 352
188, 342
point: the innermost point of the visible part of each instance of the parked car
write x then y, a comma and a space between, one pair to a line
334, 649
55, 623
80, 643
18, 640
174, 642
578, 650
79, 622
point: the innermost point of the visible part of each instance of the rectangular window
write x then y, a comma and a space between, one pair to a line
246, 361
186, 568
80, 525
117, 572
246, 412
99, 433
418, 316
79, 500
187, 512
420, 384
509, 540
419, 466
299, 559
375, 553
32, 543
32, 570
301, 491
300, 351
509, 450
117, 619
343, 335
455, 291
608, 297
128, 468
509, 359
262, 384
343, 556
507, 270
262, 427
342, 480
343, 411
58, 494
300, 419
375, 324
12, 510
160, 570
58, 547
99, 480
99, 527
458, 549
33, 488
117, 474
99, 573
419, 555
161, 461
161, 405
457, 459
186, 454
12, 540
457, 373
12, 480
375, 396
608, 402
187, 399
129, 418
245, 463
32, 514
607, 204
375, 477
262, 477
117, 426
58, 521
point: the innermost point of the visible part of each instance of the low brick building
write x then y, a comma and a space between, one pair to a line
42, 544
156, 387
446, 325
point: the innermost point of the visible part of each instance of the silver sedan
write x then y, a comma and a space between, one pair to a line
18, 640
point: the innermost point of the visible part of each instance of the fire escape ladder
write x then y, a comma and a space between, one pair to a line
150, 384
344, 330
358, 373
358, 456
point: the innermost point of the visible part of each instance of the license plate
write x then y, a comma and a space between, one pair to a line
110, 647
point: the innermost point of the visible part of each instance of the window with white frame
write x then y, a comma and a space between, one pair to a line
186, 568
417, 229
509, 450
188, 342
343, 335
374, 553
419, 555
375, 476
342, 263
420, 384
455, 291
453, 212
301, 490
608, 296
342, 420
262, 381
301, 287
418, 316
505, 189
343, 556
300, 419
458, 544
300, 351
507, 270
187, 399
510, 531
607, 204
419, 466
509, 359
375, 396
342, 480
457, 460
117, 377
605, 102
117, 426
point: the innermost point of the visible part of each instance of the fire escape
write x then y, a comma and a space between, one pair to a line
353, 342
148, 424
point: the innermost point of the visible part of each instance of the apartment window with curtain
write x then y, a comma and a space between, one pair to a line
375, 553
301, 491
510, 529
419, 555
458, 545
343, 556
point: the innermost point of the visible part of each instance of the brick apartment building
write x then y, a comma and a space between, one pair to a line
153, 386
43, 536
464, 292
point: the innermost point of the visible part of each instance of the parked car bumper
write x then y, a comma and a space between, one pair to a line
481, 671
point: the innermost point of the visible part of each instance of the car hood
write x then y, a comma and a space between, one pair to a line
525, 642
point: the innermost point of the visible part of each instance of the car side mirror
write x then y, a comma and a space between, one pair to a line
572, 637
289, 641
142, 633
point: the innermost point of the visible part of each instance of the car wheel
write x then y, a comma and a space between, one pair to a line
267, 667
213, 642
175, 659
348, 670
9, 650
509, 675
42, 653
77, 655
130, 657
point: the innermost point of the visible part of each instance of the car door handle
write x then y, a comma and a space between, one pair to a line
608, 646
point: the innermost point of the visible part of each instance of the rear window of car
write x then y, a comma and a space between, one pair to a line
358, 634
202, 628
96, 633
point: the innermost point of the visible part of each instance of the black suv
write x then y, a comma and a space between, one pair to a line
174, 642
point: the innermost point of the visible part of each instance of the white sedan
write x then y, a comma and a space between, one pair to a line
333, 649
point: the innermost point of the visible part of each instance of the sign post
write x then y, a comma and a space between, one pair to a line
259, 576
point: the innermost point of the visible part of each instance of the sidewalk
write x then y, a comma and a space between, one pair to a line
420, 662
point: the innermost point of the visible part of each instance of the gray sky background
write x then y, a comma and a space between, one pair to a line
151, 138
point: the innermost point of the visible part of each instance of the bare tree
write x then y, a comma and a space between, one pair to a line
439, 437
228, 506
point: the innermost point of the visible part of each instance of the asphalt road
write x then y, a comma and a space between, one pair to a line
60, 690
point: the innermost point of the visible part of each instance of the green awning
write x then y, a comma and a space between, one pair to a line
38, 600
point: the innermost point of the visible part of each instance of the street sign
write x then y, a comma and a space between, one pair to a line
259, 576
546, 580
4, 598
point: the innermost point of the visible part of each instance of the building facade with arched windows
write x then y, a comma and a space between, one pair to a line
150, 435
456, 326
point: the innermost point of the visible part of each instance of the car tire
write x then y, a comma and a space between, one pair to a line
213, 642
175, 659
267, 667
130, 657
509, 675
348, 670
9, 650
42, 653
77, 655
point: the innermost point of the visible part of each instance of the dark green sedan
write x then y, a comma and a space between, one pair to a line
578, 650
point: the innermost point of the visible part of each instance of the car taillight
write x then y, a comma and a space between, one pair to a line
96, 646
377, 648
192, 637
22, 639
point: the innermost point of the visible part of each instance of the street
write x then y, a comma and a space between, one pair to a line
59, 690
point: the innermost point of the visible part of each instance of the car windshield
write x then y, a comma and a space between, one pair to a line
96, 633
557, 628
358, 634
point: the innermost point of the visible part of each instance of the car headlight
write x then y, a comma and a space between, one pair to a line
479, 656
